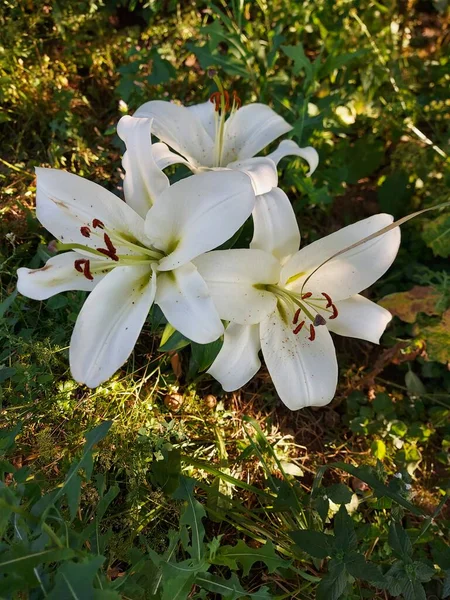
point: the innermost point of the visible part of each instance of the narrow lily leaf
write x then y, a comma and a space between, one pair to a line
167, 334
373, 236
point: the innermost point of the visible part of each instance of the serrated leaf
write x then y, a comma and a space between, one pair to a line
301, 61
231, 588
332, 586
322, 505
399, 541
359, 568
314, 543
436, 234
192, 516
339, 493
75, 581
344, 530
247, 557
423, 572
19, 557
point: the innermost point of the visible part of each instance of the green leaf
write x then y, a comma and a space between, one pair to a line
175, 340
333, 584
203, 355
322, 505
231, 588
399, 541
210, 58
166, 473
19, 558
423, 572
7, 303
314, 543
301, 61
363, 158
75, 581
192, 516
394, 193
359, 568
436, 234
339, 493
247, 557
344, 531
378, 448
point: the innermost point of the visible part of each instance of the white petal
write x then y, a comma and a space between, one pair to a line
290, 148
249, 130
198, 214
304, 373
275, 225
231, 276
164, 157
349, 273
205, 112
237, 360
360, 318
184, 298
58, 275
110, 323
181, 129
262, 171
144, 180
66, 202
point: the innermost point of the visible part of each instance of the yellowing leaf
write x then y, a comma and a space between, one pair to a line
437, 338
407, 305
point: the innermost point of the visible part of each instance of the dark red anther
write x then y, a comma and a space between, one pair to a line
109, 243
236, 100
108, 253
307, 295
78, 264
215, 99
226, 96
312, 333
296, 316
298, 328
85, 231
87, 271
328, 299
335, 312
97, 223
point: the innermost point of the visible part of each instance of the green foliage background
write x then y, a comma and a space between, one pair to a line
179, 490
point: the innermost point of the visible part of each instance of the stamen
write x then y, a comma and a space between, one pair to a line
236, 100
110, 250
312, 333
97, 223
226, 96
298, 328
85, 231
108, 254
335, 312
307, 295
296, 316
215, 99
78, 264
319, 320
87, 271
328, 299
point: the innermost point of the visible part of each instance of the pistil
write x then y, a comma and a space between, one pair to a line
221, 101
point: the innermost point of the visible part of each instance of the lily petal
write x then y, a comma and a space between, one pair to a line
360, 318
205, 113
66, 202
290, 148
249, 130
181, 129
261, 170
231, 276
184, 298
237, 360
144, 180
275, 225
198, 214
304, 373
164, 157
349, 273
56, 276
109, 324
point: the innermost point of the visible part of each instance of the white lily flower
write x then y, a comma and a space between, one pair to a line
126, 262
274, 304
204, 138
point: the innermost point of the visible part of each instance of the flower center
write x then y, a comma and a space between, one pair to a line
223, 104
308, 310
140, 255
